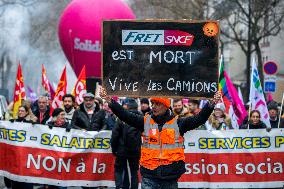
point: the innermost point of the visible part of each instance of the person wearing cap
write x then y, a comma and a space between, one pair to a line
218, 120
145, 105
125, 145
162, 159
89, 116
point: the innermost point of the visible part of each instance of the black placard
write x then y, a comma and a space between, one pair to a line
160, 58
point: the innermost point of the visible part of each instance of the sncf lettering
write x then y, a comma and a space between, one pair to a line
177, 39
156, 37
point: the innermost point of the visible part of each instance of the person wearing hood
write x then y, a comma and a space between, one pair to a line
254, 121
125, 144
69, 106
89, 116
162, 160
219, 120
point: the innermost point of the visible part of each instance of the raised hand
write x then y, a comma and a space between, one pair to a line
103, 95
217, 98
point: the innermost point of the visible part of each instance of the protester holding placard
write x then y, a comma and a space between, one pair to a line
162, 153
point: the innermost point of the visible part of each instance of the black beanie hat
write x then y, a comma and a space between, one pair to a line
131, 104
272, 105
57, 111
144, 101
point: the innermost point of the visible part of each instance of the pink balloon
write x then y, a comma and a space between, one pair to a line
80, 31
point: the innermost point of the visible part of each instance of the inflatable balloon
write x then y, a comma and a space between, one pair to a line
80, 31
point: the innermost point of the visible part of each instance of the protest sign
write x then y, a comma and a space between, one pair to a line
160, 58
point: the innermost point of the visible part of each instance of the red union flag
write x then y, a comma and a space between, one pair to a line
60, 92
19, 92
44, 80
80, 86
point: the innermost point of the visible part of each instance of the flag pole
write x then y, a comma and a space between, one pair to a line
280, 113
250, 102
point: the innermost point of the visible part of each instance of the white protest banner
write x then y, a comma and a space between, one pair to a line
234, 159
37, 154
214, 159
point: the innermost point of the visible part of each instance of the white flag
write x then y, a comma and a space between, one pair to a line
257, 97
240, 94
234, 119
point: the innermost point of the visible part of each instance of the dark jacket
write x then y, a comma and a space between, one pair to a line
81, 119
46, 116
176, 169
260, 125
66, 125
126, 140
21, 120
274, 123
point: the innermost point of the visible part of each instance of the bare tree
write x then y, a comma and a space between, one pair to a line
251, 21
36, 39
170, 9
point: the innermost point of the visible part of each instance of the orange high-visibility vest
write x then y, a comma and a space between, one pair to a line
161, 148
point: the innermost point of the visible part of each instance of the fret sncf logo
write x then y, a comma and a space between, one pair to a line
156, 37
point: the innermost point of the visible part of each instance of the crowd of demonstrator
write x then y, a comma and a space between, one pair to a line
128, 125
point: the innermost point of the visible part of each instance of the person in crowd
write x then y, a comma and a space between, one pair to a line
254, 121
23, 113
58, 119
125, 144
162, 159
28, 104
89, 116
274, 115
179, 109
218, 120
69, 106
193, 107
42, 113
145, 105
110, 118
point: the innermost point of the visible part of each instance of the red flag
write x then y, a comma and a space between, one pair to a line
60, 92
80, 86
52, 92
44, 80
19, 92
